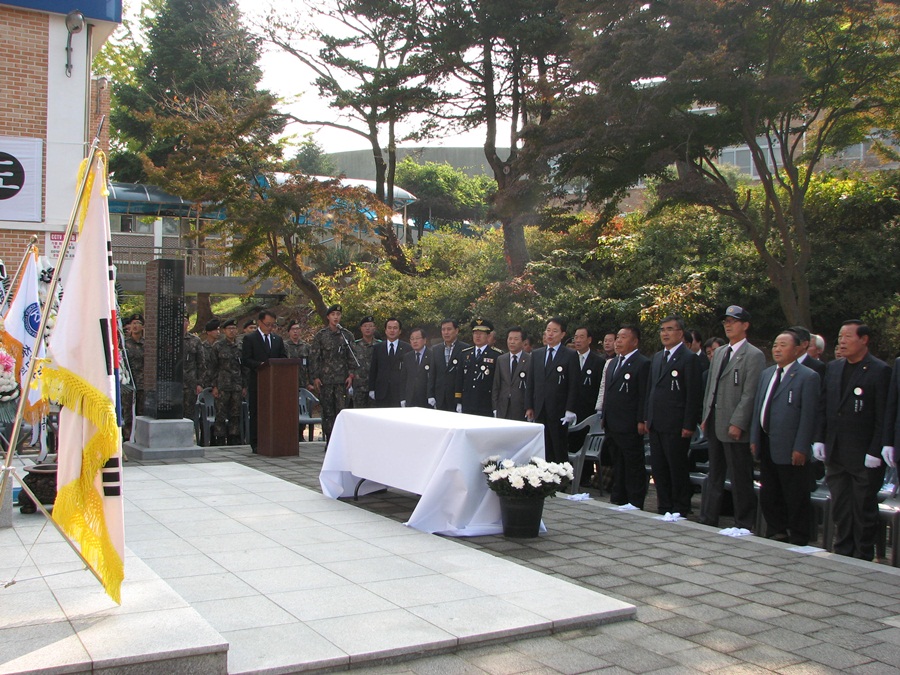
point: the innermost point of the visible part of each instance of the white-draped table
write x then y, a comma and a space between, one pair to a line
431, 453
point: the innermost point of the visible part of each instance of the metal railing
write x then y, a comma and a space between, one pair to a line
198, 261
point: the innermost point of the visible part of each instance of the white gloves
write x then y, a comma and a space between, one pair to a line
569, 417
372, 395
459, 407
402, 404
495, 413
819, 451
432, 402
872, 462
350, 391
890, 455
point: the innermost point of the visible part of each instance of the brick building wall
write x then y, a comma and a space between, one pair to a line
23, 97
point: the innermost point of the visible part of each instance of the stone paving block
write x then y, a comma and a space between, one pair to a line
753, 610
649, 614
632, 590
735, 588
856, 624
442, 664
721, 600
768, 657
598, 645
703, 659
849, 639
571, 662
801, 624
638, 660
749, 578
834, 656
809, 609
684, 589
724, 641
771, 599
810, 668
667, 601
503, 662
786, 639
665, 644
740, 623
705, 613
871, 668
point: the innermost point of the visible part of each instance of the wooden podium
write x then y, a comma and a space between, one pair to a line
278, 408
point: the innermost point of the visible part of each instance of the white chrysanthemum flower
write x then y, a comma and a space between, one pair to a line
508, 464
494, 477
493, 459
517, 482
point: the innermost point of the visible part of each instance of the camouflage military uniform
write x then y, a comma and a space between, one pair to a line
364, 351
229, 385
299, 351
135, 352
192, 370
332, 362
208, 364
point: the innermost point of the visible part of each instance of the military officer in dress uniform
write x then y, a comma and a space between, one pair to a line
475, 380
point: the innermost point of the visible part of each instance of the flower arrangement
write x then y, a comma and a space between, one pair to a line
9, 387
535, 480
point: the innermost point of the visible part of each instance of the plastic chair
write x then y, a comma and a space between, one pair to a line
307, 401
206, 415
889, 517
591, 447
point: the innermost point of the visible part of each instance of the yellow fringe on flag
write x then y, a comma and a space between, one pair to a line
33, 411
79, 507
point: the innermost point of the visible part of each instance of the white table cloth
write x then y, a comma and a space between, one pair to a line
431, 453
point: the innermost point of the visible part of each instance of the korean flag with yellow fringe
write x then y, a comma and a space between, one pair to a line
81, 374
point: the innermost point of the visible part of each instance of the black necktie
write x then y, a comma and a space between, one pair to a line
668, 353
549, 357
391, 349
767, 410
418, 358
515, 362
617, 365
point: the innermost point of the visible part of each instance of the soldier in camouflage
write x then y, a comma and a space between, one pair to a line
229, 387
134, 348
332, 366
208, 359
192, 370
365, 347
298, 349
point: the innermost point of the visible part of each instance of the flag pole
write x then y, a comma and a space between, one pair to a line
45, 314
12, 284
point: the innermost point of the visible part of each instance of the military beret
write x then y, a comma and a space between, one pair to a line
136, 317
212, 325
229, 323
334, 308
249, 322
482, 324
366, 319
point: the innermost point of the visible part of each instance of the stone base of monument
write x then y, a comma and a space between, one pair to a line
162, 439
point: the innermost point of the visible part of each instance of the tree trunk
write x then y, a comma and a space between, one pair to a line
204, 311
515, 250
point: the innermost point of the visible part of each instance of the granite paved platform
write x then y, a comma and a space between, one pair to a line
706, 603
223, 555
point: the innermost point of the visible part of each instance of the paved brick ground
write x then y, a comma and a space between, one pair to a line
706, 603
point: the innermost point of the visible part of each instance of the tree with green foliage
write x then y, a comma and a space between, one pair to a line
445, 197
504, 61
311, 159
194, 48
661, 84
276, 227
368, 62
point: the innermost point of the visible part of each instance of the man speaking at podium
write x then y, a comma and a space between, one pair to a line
257, 348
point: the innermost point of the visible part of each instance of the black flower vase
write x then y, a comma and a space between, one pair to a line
521, 517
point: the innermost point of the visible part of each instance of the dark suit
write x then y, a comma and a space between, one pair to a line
509, 387
254, 354
586, 389
728, 401
475, 381
784, 495
445, 375
851, 425
673, 403
385, 376
550, 393
417, 379
813, 364
624, 407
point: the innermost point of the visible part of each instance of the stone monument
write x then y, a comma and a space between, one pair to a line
163, 432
